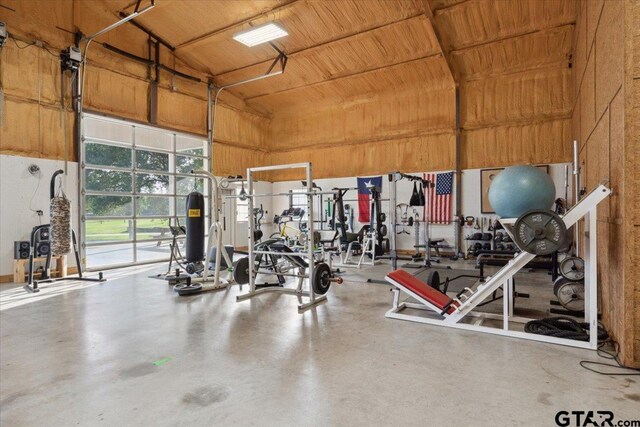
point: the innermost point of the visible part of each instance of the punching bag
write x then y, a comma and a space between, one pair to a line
195, 227
59, 219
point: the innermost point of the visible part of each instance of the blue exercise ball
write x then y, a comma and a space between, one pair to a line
518, 189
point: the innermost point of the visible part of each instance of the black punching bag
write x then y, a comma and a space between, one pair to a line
195, 227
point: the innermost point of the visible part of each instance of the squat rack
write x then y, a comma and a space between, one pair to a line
309, 254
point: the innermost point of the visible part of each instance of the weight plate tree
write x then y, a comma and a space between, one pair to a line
540, 232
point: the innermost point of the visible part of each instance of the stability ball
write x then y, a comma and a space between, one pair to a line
518, 189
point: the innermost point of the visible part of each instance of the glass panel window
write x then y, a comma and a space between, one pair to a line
186, 184
187, 164
135, 179
107, 155
100, 256
153, 206
109, 230
152, 184
190, 146
110, 130
148, 160
242, 208
153, 251
108, 181
153, 229
108, 206
154, 139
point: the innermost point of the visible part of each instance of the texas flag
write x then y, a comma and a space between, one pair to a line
364, 196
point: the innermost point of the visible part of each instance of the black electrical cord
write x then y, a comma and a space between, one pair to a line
563, 327
622, 369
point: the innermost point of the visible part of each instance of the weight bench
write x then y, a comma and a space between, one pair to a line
423, 292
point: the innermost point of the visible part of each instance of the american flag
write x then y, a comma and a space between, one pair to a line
439, 197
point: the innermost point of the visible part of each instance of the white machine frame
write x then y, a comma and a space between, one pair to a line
309, 254
587, 208
215, 237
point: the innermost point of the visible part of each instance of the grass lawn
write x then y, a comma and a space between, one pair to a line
118, 229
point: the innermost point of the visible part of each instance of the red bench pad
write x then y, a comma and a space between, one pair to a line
422, 289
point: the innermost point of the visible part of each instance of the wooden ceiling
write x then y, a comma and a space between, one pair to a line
339, 49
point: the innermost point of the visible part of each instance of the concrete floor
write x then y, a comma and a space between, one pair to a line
83, 355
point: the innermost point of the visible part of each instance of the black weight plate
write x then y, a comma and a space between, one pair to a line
540, 232
241, 271
559, 282
186, 290
321, 276
572, 269
433, 279
383, 230
410, 221
571, 296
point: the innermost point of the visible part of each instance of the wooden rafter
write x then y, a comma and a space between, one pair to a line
443, 44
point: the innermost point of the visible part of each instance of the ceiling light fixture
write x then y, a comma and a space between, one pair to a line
258, 35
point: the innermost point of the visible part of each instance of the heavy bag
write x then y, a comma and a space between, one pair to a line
195, 227
60, 220
421, 195
415, 197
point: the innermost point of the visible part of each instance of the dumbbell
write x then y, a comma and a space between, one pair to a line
486, 246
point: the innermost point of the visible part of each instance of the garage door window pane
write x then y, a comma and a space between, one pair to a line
109, 230
108, 181
190, 146
107, 155
149, 160
108, 206
153, 206
185, 185
187, 164
154, 139
152, 184
107, 129
101, 256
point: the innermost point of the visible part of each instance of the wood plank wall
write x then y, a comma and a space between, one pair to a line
115, 85
601, 122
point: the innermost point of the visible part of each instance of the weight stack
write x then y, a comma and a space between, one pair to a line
195, 227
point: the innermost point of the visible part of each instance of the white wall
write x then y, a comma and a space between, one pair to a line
471, 198
17, 188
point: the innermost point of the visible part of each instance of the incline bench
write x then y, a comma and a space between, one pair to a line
423, 292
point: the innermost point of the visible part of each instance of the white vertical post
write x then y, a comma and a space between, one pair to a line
393, 220
310, 230
591, 278
252, 283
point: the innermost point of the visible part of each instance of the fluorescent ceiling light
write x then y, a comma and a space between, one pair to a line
262, 34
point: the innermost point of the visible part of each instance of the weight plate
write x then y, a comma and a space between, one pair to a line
572, 268
410, 221
571, 296
241, 271
321, 276
559, 282
433, 279
383, 230
196, 288
540, 232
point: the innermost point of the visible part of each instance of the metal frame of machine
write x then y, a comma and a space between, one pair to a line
469, 299
309, 254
